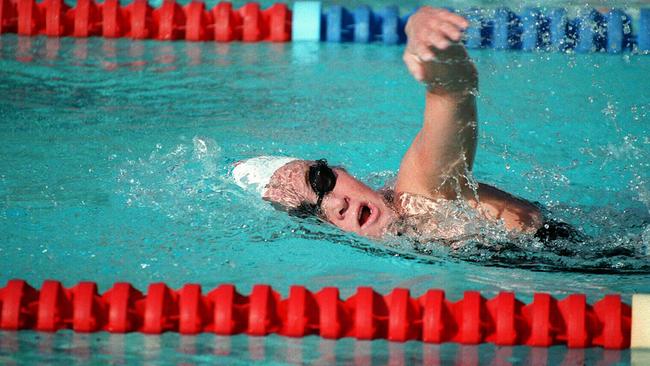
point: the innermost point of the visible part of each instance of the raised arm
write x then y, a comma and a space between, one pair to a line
442, 153
441, 156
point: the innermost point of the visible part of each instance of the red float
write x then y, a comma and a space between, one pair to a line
8, 16
57, 21
278, 20
19, 301
54, 307
170, 18
88, 309
198, 19
114, 22
253, 26
86, 19
229, 310
192, 308
300, 313
30, 18
138, 20
431, 318
227, 23
122, 313
332, 319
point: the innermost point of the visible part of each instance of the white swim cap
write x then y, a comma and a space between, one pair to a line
255, 173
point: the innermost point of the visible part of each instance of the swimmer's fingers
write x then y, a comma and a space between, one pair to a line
436, 15
434, 27
454, 19
450, 31
438, 40
421, 50
440, 33
414, 65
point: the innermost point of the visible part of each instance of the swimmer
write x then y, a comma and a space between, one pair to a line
434, 196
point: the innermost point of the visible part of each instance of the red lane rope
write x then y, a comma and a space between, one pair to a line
138, 20
502, 320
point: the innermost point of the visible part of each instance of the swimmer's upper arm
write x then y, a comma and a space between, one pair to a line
443, 151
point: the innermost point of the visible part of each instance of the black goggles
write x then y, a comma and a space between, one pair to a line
321, 179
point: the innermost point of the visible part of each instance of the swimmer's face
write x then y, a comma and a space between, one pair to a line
351, 205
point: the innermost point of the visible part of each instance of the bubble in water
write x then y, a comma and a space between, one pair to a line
175, 181
635, 112
609, 111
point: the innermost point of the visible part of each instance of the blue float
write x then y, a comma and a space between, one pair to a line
557, 29
619, 31
403, 20
535, 30
591, 32
390, 25
338, 24
643, 34
474, 37
507, 30
364, 23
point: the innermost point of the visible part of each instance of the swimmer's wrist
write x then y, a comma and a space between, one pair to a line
456, 90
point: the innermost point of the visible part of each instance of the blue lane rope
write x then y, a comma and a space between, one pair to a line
643, 34
364, 24
534, 29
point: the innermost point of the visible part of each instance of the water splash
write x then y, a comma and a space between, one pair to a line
608, 240
180, 182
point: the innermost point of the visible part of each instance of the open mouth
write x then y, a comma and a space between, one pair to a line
364, 214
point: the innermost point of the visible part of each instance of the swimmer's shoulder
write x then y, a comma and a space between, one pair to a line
516, 214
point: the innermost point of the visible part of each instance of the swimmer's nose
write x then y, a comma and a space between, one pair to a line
339, 206
344, 209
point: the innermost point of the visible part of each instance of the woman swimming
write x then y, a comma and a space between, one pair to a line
434, 196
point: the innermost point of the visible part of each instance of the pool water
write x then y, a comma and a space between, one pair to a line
116, 154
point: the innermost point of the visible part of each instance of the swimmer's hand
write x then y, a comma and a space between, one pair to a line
433, 54
427, 30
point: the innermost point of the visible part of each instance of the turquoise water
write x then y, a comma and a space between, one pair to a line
115, 159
